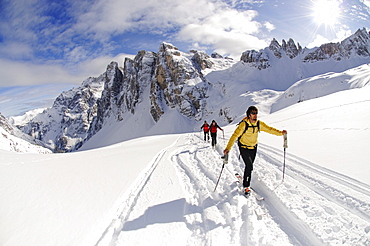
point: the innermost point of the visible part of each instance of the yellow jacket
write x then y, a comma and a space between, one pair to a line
250, 137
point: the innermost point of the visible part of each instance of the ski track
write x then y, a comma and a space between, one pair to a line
289, 214
329, 184
344, 208
227, 218
111, 234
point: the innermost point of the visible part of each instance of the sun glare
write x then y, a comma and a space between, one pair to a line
326, 12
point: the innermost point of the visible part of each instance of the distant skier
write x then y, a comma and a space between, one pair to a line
247, 136
213, 130
205, 128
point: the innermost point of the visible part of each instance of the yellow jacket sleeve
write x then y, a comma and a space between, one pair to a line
237, 133
269, 129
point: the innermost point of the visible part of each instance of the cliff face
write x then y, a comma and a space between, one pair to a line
169, 79
178, 82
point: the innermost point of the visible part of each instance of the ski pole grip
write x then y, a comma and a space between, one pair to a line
285, 140
225, 158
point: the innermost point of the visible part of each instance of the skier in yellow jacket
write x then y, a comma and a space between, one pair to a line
248, 139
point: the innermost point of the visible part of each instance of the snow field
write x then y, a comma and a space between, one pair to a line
159, 189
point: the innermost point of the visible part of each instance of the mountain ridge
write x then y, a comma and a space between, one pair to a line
193, 86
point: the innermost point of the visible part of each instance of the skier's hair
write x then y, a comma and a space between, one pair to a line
251, 109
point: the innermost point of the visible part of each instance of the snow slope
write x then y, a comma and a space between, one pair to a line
59, 199
159, 189
10, 142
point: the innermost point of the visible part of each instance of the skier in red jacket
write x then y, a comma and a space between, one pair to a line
213, 130
205, 128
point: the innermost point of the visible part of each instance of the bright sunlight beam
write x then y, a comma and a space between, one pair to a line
326, 12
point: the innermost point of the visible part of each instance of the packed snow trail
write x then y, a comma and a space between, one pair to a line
176, 203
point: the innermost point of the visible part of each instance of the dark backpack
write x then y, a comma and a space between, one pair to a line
246, 128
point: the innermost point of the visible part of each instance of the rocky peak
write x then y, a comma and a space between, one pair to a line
357, 44
169, 49
201, 60
258, 59
291, 49
216, 55
178, 82
65, 125
261, 60
123, 88
275, 48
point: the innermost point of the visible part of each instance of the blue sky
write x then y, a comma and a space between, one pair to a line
66, 41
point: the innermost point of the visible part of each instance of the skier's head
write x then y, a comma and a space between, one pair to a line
252, 109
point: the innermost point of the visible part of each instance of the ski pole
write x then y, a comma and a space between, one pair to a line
226, 158
285, 146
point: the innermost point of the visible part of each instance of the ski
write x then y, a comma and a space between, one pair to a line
258, 197
240, 184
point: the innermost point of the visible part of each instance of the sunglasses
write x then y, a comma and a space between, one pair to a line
254, 112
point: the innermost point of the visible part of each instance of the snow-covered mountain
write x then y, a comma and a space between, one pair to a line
12, 139
140, 98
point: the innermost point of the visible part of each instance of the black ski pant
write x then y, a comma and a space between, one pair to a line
248, 156
214, 138
206, 135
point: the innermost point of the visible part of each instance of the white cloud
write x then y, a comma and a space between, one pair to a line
16, 50
319, 40
26, 73
15, 73
95, 67
269, 26
209, 23
88, 27
342, 33
112, 17
228, 31
339, 35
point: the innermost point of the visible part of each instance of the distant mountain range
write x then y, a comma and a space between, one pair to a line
139, 98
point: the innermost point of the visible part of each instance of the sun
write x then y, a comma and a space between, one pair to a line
326, 12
